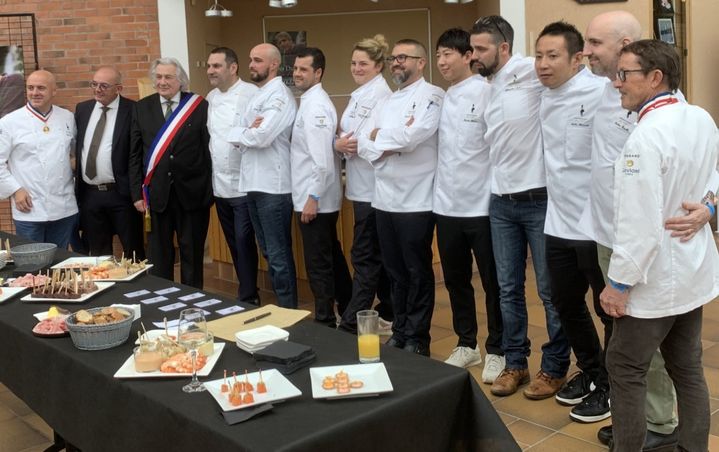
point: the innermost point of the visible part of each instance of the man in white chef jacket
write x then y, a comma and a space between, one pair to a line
461, 205
263, 137
517, 207
566, 114
657, 284
36, 173
316, 187
403, 150
227, 103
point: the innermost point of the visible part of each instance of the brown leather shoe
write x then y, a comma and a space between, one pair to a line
543, 386
509, 380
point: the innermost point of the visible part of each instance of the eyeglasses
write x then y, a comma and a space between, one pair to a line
622, 73
101, 86
401, 58
491, 20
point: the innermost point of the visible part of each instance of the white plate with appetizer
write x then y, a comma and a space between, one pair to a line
171, 365
354, 380
277, 388
63, 297
81, 262
7, 293
28, 280
118, 271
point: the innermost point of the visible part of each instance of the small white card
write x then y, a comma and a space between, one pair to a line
206, 303
172, 307
230, 310
170, 324
206, 312
192, 296
168, 290
137, 293
153, 300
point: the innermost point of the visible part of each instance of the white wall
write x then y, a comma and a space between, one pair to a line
173, 30
513, 11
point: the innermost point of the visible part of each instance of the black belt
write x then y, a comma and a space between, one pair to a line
102, 187
534, 194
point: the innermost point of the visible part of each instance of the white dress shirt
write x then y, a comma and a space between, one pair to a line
225, 111
359, 118
668, 158
513, 131
39, 162
266, 149
567, 114
404, 181
315, 165
103, 162
462, 181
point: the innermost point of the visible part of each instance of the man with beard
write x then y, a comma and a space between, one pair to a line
264, 140
403, 150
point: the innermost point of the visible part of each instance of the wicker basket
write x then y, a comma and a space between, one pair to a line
99, 337
33, 254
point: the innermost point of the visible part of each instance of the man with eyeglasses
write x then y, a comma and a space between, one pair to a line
403, 150
518, 206
101, 174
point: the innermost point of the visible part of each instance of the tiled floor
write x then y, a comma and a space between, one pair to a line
536, 425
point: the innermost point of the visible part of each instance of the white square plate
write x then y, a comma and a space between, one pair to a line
279, 389
101, 286
261, 336
9, 292
127, 370
374, 376
81, 261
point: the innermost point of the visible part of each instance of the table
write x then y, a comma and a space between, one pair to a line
434, 407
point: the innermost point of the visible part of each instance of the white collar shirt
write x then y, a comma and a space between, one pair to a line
103, 163
225, 111
462, 181
513, 131
404, 181
359, 118
566, 114
315, 165
265, 149
175, 102
39, 162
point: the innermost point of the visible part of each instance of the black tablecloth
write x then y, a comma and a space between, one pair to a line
434, 407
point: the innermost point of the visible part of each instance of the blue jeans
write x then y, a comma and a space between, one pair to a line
271, 216
514, 225
57, 231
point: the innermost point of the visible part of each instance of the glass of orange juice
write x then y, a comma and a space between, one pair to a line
368, 336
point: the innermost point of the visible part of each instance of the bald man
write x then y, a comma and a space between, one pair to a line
101, 178
263, 138
36, 146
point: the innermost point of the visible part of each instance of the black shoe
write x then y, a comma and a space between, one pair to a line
594, 407
417, 348
575, 389
604, 435
395, 342
654, 442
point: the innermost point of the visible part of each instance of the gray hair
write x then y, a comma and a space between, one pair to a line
181, 74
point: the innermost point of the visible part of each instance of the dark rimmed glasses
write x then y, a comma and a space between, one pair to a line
401, 58
622, 73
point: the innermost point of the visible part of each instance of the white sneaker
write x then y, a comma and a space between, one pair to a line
464, 357
493, 366
385, 327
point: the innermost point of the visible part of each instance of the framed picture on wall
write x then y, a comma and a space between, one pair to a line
666, 30
664, 6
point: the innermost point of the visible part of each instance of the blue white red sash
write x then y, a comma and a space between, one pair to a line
188, 104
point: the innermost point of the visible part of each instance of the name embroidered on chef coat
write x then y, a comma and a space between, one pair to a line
623, 124
579, 123
276, 103
321, 121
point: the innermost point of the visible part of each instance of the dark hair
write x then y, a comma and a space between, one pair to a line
318, 58
572, 37
413, 42
654, 54
456, 39
496, 26
230, 55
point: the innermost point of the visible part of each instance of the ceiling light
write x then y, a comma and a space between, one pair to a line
217, 10
289, 3
275, 4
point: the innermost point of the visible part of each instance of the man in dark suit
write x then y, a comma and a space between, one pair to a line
101, 179
170, 142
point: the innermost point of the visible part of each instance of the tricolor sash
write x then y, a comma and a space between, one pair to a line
188, 104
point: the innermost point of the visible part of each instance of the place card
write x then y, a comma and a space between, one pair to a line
137, 293
168, 290
170, 324
206, 303
230, 310
192, 296
153, 300
172, 307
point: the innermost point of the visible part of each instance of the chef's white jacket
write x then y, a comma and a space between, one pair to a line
265, 149
39, 162
225, 111
315, 165
668, 158
404, 181
513, 131
567, 114
462, 181
359, 117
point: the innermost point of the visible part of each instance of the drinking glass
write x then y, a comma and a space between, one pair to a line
368, 336
192, 334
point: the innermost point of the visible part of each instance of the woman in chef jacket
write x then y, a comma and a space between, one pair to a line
368, 61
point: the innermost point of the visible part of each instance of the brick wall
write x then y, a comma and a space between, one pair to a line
74, 37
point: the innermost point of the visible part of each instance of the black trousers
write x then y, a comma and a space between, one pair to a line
326, 266
370, 277
457, 239
406, 243
573, 268
234, 216
106, 213
191, 229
